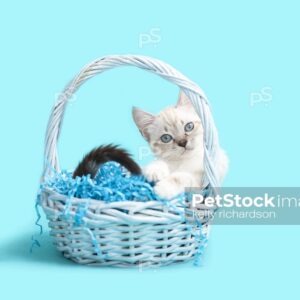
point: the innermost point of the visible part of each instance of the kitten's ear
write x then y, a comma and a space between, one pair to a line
142, 120
183, 99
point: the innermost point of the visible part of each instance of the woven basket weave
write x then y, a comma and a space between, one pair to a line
127, 233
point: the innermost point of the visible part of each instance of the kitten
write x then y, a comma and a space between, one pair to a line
175, 136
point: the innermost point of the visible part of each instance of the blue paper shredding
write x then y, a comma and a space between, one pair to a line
202, 239
112, 183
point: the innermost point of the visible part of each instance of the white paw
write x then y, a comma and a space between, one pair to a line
168, 189
156, 171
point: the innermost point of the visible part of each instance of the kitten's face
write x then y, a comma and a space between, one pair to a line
176, 132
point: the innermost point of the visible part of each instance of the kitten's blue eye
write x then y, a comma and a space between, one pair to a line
189, 126
166, 138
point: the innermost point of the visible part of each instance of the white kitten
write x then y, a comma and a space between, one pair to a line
175, 136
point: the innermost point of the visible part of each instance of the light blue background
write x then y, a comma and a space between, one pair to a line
232, 49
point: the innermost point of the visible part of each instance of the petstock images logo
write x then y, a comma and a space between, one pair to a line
245, 206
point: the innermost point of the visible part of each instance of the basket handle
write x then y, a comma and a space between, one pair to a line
193, 92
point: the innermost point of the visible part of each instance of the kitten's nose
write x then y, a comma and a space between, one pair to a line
182, 143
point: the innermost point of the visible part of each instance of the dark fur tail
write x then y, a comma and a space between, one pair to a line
98, 156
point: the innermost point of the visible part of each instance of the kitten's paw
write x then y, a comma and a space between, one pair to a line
156, 171
168, 189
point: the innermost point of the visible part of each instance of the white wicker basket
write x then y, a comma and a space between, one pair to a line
128, 233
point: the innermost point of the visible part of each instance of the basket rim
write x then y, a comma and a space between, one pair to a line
56, 196
126, 212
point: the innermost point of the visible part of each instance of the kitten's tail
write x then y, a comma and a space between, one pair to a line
98, 156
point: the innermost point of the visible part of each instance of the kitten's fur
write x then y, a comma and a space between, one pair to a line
91, 162
177, 165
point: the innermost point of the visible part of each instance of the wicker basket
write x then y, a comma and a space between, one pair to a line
128, 233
